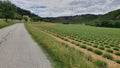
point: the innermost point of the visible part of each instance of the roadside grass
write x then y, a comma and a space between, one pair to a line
3, 23
61, 54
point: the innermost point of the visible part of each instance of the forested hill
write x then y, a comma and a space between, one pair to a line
11, 11
114, 15
111, 19
73, 19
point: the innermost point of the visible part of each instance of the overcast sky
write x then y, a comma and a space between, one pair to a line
54, 8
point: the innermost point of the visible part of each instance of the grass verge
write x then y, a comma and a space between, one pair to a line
3, 23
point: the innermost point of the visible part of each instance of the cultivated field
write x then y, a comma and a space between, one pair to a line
76, 46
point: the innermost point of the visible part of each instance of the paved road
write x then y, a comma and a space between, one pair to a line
18, 50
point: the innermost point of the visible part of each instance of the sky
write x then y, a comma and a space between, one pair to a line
55, 8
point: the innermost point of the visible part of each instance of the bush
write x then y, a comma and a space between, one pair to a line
95, 46
108, 56
83, 46
89, 57
118, 61
73, 42
117, 53
117, 49
101, 47
101, 64
97, 52
77, 44
107, 46
90, 49
109, 50
112, 45
65, 39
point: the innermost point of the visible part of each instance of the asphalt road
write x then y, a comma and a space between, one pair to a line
18, 50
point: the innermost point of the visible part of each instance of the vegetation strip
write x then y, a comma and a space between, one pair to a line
3, 23
111, 63
72, 49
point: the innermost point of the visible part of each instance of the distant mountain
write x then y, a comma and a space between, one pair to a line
113, 15
73, 19
110, 18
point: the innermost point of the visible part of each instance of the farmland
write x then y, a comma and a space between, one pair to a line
93, 41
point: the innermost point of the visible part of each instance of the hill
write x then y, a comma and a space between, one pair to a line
113, 15
110, 19
73, 19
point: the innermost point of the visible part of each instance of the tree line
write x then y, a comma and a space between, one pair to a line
109, 23
11, 11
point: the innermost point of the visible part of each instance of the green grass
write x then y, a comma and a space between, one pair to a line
3, 23
101, 64
62, 55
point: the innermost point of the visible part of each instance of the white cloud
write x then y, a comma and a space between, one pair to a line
54, 8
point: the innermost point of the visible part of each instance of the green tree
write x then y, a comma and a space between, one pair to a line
8, 9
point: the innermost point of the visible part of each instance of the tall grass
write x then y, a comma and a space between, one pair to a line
3, 23
61, 54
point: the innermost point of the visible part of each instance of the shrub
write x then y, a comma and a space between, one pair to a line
95, 46
77, 44
111, 45
83, 46
118, 61
65, 39
97, 52
109, 50
89, 57
101, 47
79, 41
73, 42
101, 64
117, 53
117, 49
90, 49
107, 46
85, 42
108, 56
116, 46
